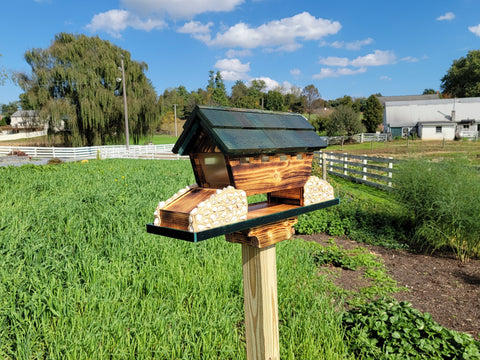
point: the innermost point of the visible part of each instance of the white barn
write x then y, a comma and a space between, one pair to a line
433, 119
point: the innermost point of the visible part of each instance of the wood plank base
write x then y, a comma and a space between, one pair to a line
264, 235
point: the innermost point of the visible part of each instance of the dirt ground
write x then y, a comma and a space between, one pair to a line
439, 285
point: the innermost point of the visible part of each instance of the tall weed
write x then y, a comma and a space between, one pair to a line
444, 203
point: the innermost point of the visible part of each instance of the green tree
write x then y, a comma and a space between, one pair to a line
239, 97
216, 89
9, 109
311, 96
77, 80
256, 94
428, 92
372, 114
344, 121
275, 101
463, 77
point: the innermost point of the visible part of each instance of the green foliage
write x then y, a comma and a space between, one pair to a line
463, 77
344, 121
81, 278
372, 114
75, 80
8, 110
3, 122
441, 198
387, 329
364, 214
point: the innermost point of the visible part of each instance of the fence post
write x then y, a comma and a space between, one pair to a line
361, 138
345, 165
324, 165
364, 168
390, 166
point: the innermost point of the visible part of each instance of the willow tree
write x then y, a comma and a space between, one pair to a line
76, 83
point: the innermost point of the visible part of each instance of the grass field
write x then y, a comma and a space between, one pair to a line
81, 279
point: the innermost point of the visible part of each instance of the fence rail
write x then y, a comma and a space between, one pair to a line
372, 171
93, 152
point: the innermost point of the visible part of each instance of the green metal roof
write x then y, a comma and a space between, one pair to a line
249, 132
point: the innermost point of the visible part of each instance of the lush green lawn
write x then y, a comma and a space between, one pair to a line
81, 278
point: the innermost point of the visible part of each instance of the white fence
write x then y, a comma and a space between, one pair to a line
94, 152
22, 135
372, 171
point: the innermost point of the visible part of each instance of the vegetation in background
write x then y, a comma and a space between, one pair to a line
463, 77
77, 80
344, 121
364, 214
442, 199
372, 114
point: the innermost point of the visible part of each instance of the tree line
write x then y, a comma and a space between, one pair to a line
77, 86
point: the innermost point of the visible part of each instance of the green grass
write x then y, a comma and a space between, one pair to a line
158, 139
81, 279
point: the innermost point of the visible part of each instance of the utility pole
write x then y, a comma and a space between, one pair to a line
175, 111
127, 138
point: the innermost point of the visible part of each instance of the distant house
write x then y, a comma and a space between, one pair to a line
22, 119
433, 118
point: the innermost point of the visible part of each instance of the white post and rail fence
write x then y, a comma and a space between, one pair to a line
95, 152
372, 171
368, 170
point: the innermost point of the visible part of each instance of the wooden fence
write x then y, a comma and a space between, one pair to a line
94, 152
372, 171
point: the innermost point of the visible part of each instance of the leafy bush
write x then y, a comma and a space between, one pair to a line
442, 198
386, 329
364, 214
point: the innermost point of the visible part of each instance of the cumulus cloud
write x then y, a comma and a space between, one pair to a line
447, 16
115, 21
233, 69
475, 29
183, 9
353, 45
341, 66
282, 34
295, 72
232, 53
198, 30
332, 73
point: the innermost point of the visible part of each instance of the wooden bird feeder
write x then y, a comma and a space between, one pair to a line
236, 153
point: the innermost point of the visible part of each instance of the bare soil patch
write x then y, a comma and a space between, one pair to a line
437, 284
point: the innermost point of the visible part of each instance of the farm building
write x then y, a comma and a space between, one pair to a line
24, 118
433, 119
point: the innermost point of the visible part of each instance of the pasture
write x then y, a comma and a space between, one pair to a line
81, 279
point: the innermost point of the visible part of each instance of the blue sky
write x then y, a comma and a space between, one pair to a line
354, 48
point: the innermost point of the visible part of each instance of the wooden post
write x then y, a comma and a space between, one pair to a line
364, 168
390, 166
261, 304
324, 165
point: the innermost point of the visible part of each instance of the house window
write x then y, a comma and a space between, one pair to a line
438, 129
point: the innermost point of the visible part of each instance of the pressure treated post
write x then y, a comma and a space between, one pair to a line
261, 304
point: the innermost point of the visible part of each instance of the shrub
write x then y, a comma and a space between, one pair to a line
387, 329
442, 198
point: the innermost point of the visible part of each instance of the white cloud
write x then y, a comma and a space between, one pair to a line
354, 45
447, 16
184, 9
334, 61
475, 29
386, 78
198, 30
409, 59
333, 73
238, 53
115, 21
378, 58
295, 72
233, 69
280, 34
